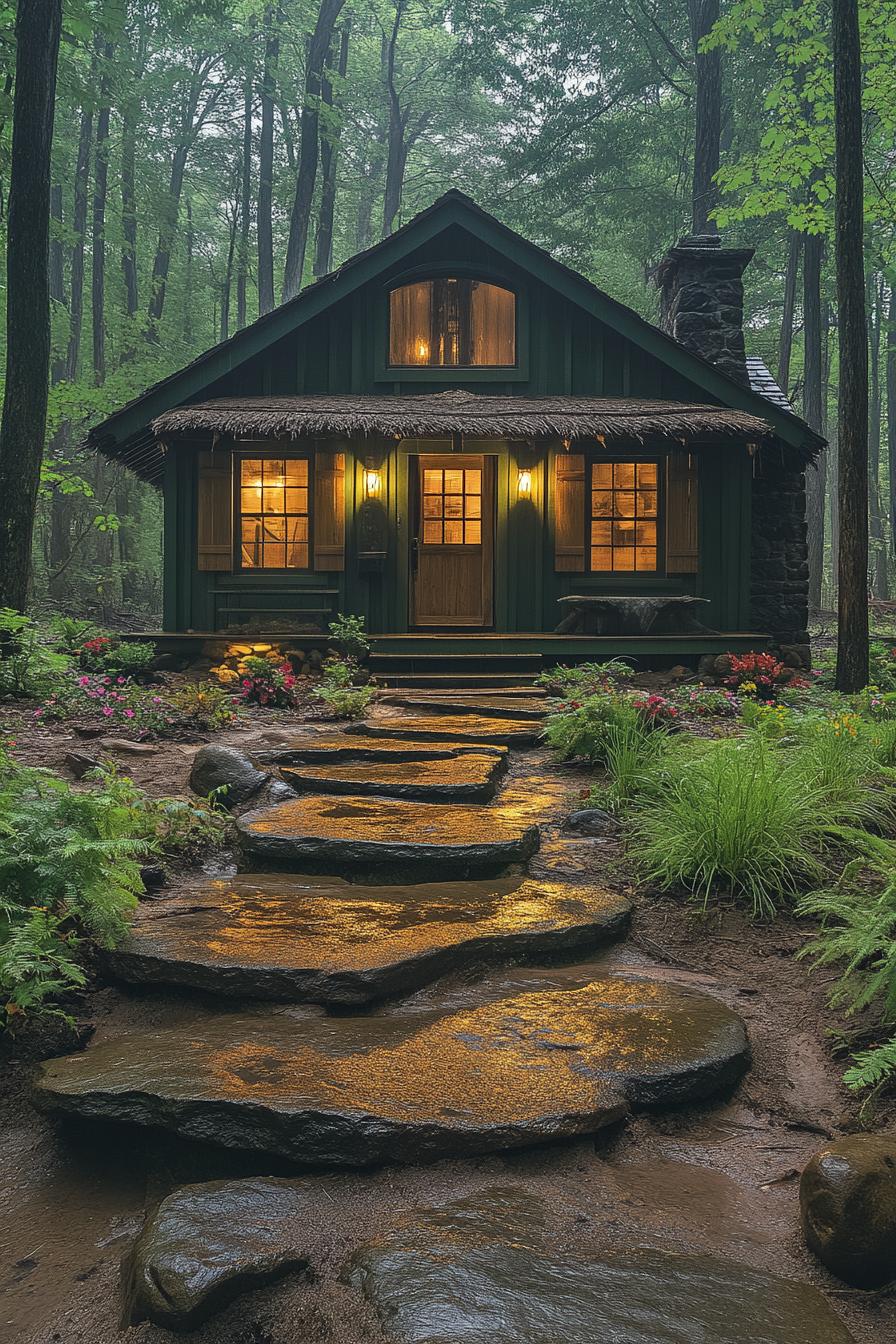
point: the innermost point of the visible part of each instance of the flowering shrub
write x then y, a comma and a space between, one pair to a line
760, 675
708, 702
771, 720
102, 653
114, 699
876, 704
584, 679
656, 710
93, 652
265, 682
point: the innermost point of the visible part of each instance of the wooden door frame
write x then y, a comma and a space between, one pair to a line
490, 463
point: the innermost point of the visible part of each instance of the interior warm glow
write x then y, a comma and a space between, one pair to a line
452, 322
624, 512
371, 482
274, 503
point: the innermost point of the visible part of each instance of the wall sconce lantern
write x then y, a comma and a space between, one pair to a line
372, 480
524, 483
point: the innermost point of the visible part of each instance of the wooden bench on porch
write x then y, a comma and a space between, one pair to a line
590, 614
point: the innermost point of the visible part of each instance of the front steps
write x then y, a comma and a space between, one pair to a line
452, 670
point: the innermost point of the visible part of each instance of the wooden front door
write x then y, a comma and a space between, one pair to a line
453, 540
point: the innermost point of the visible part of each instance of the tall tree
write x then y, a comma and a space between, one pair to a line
264, 220
813, 407
100, 191
788, 308
242, 272
703, 14
852, 416
879, 578
891, 410
306, 172
329, 155
23, 425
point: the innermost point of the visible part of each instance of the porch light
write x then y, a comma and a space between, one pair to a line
371, 482
524, 483
422, 352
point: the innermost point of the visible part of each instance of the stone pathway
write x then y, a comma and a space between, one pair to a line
493, 1065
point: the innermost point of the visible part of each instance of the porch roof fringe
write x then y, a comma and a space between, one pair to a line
455, 412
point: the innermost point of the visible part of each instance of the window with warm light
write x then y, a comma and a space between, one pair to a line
624, 515
274, 513
452, 506
452, 322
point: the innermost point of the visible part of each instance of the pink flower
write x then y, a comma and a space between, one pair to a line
120, 681
129, 713
38, 713
108, 711
83, 681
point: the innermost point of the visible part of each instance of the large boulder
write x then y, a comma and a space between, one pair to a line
848, 1207
477, 1272
206, 1244
215, 767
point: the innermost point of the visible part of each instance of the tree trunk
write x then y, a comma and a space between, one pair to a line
98, 240
329, 155
188, 280
242, 276
879, 578
264, 224
308, 149
852, 627
167, 235
813, 407
129, 207
703, 14
396, 151
785, 340
24, 420
79, 225
891, 412
57, 272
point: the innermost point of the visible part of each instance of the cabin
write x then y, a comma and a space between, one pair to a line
466, 442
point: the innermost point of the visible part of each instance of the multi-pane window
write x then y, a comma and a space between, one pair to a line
624, 511
274, 513
449, 322
452, 506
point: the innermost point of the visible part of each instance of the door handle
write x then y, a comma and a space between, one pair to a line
415, 553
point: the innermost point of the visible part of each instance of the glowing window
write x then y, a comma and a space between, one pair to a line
452, 506
624, 517
452, 322
274, 513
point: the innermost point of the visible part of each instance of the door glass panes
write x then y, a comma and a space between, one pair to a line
452, 322
274, 513
624, 517
452, 506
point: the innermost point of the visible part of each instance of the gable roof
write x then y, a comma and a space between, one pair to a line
126, 435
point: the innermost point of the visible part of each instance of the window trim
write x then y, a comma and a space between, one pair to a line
384, 372
264, 451
629, 576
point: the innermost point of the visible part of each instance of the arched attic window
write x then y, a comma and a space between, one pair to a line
452, 322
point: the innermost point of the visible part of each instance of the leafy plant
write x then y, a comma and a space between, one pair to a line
707, 702
104, 654
177, 827
337, 690
349, 634
28, 669
71, 633
205, 704
582, 730
584, 679
760, 674
632, 752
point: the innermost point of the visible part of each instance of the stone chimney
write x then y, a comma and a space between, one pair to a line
702, 299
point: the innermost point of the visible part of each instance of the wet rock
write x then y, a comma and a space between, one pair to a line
592, 821
207, 1244
299, 938
354, 1091
452, 728
330, 750
128, 748
476, 1271
706, 667
275, 791
215, 767
358, 830
467, 777
153, 876
848, 1207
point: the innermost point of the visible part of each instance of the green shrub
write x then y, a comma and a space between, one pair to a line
183, 828
581, 731
104, 654
70, 633
349, 634
584, 679
28, 669
69, 866
742, 817
338, 690
203, 704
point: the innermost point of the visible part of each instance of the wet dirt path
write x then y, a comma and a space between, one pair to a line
719, 1178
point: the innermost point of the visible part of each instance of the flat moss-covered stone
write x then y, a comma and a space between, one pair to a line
474, 1273
848, 1206
320, 749
468, 777
272, 937
452, 728
206, 1244
407, 1088
365, 830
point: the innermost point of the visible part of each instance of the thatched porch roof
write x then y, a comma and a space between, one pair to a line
468, 413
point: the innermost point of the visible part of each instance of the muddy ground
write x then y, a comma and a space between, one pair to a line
721, 1177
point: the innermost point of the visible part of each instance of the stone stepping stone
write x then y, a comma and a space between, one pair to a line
326, 941
206, 1244
465, 778
355, 1091
310, 750
362, 830
469, 1274
452, 728
494, 707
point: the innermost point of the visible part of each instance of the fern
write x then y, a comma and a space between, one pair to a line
872, 1068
